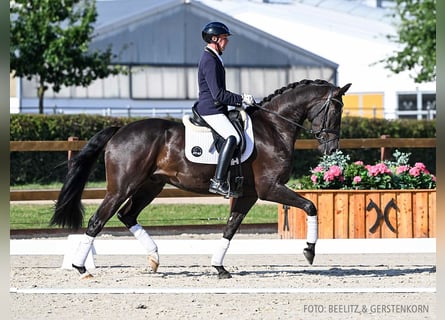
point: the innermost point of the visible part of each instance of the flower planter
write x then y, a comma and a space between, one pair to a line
344, 214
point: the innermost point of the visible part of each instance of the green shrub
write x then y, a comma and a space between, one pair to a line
47, 167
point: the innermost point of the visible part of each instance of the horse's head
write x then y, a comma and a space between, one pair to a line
325, 117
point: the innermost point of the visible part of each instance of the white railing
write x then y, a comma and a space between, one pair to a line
115, 111
129, 111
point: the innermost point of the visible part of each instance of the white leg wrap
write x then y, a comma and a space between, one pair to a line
144, 238
312, 229
82, 251
220, 252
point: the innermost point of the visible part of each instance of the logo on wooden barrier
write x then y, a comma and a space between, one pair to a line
286, 218
382, 216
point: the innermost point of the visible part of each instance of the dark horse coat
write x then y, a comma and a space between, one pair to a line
143, 156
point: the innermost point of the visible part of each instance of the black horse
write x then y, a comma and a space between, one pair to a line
143, 156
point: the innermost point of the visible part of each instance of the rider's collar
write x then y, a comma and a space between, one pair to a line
215, 53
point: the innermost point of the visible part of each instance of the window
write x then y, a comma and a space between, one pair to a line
180, 82
416, 105
114, 86
158, 82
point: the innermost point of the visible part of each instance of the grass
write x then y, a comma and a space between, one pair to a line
35, 216
55, 185
100, 184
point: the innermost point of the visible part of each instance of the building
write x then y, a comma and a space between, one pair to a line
273, 43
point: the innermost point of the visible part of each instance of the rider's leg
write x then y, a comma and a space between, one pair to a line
218, 184
225, 129
222, 125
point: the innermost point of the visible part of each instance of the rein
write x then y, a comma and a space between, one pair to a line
318, 133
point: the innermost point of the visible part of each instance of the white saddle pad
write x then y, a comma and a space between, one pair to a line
199, 146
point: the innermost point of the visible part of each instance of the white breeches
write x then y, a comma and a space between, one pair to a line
222, 125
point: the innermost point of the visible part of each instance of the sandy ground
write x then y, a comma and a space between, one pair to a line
180, 272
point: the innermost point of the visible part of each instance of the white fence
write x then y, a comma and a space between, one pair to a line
66, 247
131, 111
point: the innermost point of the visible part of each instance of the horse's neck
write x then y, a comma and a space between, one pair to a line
282, 121
294, 112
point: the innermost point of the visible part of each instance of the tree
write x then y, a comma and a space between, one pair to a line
49, 40
417, 37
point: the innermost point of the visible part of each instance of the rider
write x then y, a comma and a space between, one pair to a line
214, 99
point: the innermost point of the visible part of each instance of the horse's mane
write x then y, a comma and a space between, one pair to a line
293, 85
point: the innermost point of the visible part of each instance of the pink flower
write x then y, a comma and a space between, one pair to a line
433, 177
421, 167
414, 171
379, 168
402, 169
334, 171
357, 179
317, 169
328, 176
359, 163
314, 179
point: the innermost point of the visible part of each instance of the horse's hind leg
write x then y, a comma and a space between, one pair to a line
107, 208
128, 216
238, 210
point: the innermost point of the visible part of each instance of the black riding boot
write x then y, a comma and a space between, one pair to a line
219, 183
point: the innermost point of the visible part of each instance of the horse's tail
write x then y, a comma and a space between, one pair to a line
69, 210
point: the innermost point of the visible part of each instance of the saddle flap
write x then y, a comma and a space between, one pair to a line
200, 146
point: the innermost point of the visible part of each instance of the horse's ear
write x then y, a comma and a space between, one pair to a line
344, 89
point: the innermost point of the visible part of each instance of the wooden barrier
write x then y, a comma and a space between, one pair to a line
98, 193
346, 214
299, 144
92, 193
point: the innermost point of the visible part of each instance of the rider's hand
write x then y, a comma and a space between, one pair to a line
248, 99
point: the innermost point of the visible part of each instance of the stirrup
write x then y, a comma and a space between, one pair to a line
218, 187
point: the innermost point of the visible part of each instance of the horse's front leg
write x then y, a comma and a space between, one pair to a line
282, 194
238, 210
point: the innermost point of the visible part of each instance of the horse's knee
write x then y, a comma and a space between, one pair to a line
310, 209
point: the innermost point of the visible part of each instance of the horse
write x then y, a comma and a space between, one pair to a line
143, 156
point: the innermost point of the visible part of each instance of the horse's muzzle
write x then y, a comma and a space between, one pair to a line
328, 147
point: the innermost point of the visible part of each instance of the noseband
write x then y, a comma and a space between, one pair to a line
318, 134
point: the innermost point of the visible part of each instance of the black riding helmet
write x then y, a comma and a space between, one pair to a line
214, 29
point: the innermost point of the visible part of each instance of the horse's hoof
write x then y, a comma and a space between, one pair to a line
222, 272
309, 254
85, 276
153, 262
83, 273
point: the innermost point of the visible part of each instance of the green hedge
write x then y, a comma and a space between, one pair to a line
353, 127
47, 167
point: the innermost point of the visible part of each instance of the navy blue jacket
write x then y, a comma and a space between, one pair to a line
213, 96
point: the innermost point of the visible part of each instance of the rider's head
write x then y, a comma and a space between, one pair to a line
216, 33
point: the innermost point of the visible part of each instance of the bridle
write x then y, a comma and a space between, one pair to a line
318, 134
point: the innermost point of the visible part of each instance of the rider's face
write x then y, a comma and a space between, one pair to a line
223, 40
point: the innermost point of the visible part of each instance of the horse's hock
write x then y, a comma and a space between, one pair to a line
344, 214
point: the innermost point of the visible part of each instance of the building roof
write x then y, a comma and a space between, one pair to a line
349, 36
349, 32
169, 32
